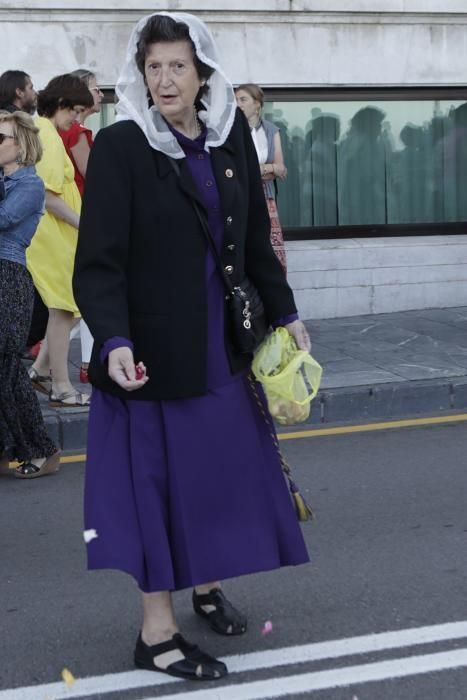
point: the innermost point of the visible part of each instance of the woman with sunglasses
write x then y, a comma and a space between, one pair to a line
78, 141
23, 435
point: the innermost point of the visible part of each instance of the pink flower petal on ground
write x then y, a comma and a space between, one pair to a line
267, 629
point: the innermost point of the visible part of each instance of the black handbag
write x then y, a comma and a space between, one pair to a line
245, 315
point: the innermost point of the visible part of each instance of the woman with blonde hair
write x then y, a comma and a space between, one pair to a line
23, 435
267, 140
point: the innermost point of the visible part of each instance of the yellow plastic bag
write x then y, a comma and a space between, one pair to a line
290, 377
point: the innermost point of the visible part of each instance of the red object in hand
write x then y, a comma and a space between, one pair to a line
139, 372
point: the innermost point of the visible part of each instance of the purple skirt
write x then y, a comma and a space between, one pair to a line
188, 491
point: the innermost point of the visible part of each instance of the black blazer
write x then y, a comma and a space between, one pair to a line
140, 268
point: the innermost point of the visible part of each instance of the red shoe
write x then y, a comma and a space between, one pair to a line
83, 375
34, 350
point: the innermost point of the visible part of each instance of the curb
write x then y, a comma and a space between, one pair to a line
389, 401
68, 427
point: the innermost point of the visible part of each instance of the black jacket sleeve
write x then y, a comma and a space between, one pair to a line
100, 275
262, 265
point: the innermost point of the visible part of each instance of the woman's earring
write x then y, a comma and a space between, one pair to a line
19, 160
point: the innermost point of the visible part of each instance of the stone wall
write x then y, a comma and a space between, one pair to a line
349, 277
273, 42
290, 43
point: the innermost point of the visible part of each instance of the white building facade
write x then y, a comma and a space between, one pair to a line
369, 96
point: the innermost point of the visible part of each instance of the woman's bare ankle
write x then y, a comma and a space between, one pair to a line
204, 588
152, 636
62, 388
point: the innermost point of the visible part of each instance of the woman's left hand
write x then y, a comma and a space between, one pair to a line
298, 331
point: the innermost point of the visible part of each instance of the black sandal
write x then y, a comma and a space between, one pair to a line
28, 470
196, 666
224, 619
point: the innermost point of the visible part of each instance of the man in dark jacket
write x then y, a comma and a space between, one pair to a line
17, 92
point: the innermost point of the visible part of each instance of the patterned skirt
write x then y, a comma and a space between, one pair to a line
23, 435
277, 238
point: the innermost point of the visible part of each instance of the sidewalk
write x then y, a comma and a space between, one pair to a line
375, 368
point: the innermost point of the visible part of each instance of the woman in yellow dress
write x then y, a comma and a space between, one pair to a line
50, 257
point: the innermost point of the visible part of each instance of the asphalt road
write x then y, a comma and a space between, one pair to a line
389, 550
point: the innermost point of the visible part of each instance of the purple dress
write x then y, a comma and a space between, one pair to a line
187, 491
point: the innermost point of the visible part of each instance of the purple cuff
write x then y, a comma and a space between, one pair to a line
284, 321
113, 344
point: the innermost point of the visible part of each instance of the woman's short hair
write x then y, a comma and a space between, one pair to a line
26, 134
162, 29
62, 92
253, 90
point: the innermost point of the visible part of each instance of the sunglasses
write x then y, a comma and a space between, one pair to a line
6, 136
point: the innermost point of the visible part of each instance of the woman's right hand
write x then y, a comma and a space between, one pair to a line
122, 369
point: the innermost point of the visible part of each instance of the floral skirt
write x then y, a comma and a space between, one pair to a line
277, 238
23, 435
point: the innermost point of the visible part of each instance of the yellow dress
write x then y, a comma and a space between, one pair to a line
51, 255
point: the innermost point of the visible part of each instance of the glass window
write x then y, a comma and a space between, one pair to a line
364, 163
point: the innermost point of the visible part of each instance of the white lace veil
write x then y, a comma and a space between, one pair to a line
219, 102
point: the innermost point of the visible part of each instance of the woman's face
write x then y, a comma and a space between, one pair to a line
9, 148
172, 79
65, 116
97, 95
247, 104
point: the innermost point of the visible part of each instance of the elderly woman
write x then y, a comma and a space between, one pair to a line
183, 484
23, 435
51, 255
267, 140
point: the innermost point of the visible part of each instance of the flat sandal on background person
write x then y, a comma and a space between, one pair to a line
23, 435
198, 493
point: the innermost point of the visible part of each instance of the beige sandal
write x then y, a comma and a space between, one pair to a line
40, 382
60, 400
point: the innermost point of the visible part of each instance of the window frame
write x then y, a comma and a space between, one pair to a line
369, 94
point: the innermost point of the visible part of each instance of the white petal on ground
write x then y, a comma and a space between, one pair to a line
89, 535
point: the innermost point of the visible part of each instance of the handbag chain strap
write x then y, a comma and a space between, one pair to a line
304, 512
208, 235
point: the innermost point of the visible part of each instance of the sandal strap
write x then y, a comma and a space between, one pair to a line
177, 642
28, 468
80, 398
36, 377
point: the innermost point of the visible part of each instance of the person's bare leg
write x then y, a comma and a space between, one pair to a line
159, 623
58, 339
206, 587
